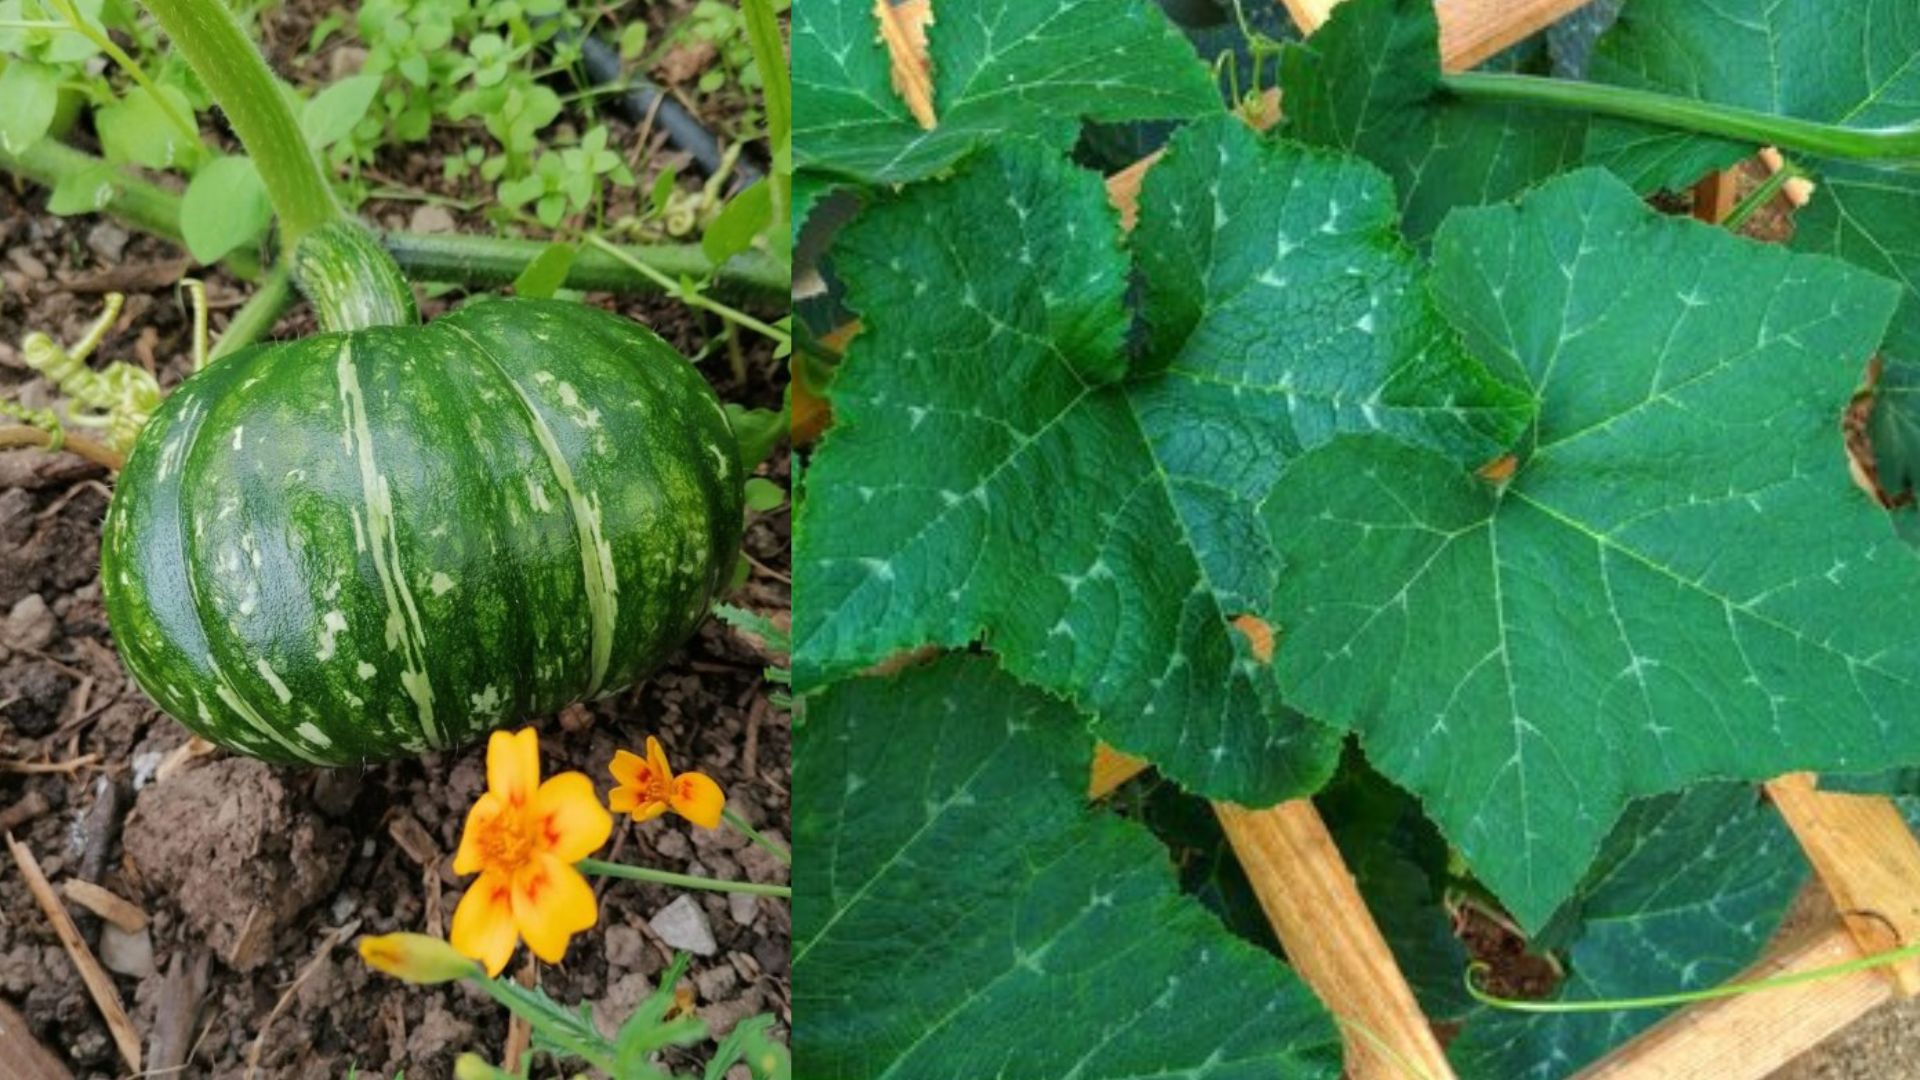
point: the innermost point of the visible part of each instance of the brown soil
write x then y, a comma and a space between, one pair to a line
257, 878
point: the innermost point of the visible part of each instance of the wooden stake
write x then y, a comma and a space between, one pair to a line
105, 996
904, 30
1473, 30
1750, 1036
1869, 862
1332, 940
1715, 194
1111, 768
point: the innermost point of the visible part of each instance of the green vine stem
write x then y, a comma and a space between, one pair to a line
486, 261
683, 881
473, 261
763, 34
256, 317
1687, 114
1688, 997
145, 206
218, 50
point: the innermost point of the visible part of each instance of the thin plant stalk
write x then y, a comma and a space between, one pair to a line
759, 841
185, 123
682, 881
690, 297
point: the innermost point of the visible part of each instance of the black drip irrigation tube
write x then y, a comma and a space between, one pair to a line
642, 98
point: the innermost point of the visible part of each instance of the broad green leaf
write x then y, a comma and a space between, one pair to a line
744, 217
1870, 216
547, 272
1368, 82
1856, 63
1001, 68
1680, 581
332, 113
994, 472
29, 96
764, 495
758, 432
808, 189
225, 207
965, 914
1686, 893
87, 191
137, 129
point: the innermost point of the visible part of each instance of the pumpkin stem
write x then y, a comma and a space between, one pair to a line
350, 279
234, 72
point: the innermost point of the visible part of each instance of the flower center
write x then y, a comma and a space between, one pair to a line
506, 842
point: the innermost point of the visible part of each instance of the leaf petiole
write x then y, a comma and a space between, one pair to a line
1686, 997
1687, 114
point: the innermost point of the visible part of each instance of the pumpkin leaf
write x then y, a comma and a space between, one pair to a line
333, 113
137, 129
1001, 68
1856, 63
1528, 656
32, 95
547, 272
1870, 216
964, 890
87, 191
1368, 82
225, 208
1687, 891
1096, 520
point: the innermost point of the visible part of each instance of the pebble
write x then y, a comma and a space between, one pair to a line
33, 268
626, 947
107, 241
682, 925
126, 954
30, 625
431, 219
672, 843
744, 907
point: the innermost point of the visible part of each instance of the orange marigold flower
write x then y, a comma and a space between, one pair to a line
522, 837
648, 789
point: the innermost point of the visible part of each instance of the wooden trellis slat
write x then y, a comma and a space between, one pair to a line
1865, 856
1751, 1036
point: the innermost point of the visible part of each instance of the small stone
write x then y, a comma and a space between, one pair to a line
126, 954
682, 925
716, 983
33, 268
626, 947
30, 625
429, 218
346, 62
673, 844
744, 907
107, 241
618, 1003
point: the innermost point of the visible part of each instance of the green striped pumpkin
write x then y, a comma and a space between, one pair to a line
393, 539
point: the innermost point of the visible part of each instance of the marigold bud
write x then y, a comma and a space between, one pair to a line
416, 958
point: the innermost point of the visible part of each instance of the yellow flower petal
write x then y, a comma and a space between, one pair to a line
657, 760
630, 770
483, 924
571, 822
416, 958
551, 903
485, 809
513, 765
698, 799
648, 810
